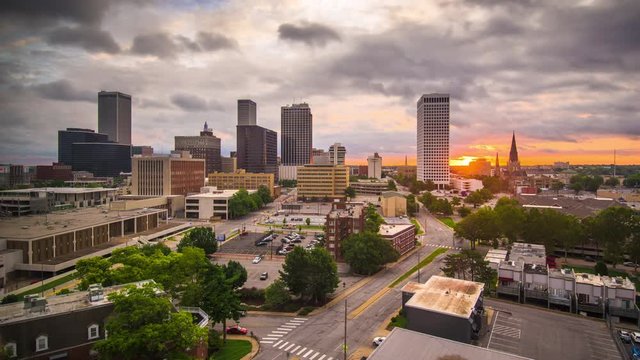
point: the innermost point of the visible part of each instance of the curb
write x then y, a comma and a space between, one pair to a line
255, 345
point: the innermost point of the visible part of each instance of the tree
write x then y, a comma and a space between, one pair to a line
350, 192
94, 270
470, 265
276, 295
613, 227
144, 326
367, 252
427, 199
235, 273
577, 187
411, 205
293, 271
200, 237
601, 268
464, 211
581, 182
612, 181
479, 226
264, 194
455, 201
311, 274
11, 298
474, 198
391, 185
543, 227
511, 217
307, 221
632, 181
372, 220
557, 186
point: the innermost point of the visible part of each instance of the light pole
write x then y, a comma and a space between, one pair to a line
344, 347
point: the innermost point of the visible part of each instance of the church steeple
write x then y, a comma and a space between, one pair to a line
513, 154
497, 172
206, 127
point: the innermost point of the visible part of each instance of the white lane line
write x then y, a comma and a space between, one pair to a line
296, 322
283, 345
314, 355
330, 358
270, 338
307, 354
290, 326
301, 351
321, 357
276, 344
279, 332
303, 319
289, 347
493, 327
284, 329
266, 342
296, 349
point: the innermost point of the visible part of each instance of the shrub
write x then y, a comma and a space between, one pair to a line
601, 268
215, 341
305, 310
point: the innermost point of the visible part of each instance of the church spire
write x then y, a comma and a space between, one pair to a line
405, 160
497, 173
206, 127
513, 154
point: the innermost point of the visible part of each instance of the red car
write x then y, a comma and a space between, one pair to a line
237, 330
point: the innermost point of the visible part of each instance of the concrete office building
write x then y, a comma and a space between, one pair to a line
229, 164
337, 154
393, 204
288, 172
296, 134
102, 159
210, 203
468, 185
55, 171
143, 150
318, 182
369, 187
241, 180
247, 110
374, 166
67, 137
433, 139
343, 220
43, 200
445, 307
206, 146
319, 156
257, 149
114, 116
175, 174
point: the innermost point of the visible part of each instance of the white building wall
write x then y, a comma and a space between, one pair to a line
288, 172
433, 139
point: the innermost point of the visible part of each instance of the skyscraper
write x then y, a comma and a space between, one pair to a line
206, 146
257, 149
513, 166
247, 112
114, 116
66, 138
374, 166
337, 153
433, 139
296, 123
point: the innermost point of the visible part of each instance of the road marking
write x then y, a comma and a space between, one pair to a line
321, 357
330, 358
283, 345
266, 342
307, 354
276, 335
314, 355
284, 329
303, 319
276, 344
301, 351
298, 322
279, 332
269, 338
493, 327
290, 326
289, 347
296, 349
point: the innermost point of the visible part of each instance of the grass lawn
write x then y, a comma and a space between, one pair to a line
417, 225
422, 264
397, 321
232, 350
447, 221
48, 286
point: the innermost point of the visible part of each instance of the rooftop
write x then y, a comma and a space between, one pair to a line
34, 226
216, 194
578, 207
535, 269
60, 304
591, 279
58, 190
515, 265
388, 194
392, 230
350, 211
566, 273
618, 282
449, 296
407, 344
528, 253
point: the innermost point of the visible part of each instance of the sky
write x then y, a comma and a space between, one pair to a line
564, 75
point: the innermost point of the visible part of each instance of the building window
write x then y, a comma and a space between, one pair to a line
93, 331
11, 350
42, 343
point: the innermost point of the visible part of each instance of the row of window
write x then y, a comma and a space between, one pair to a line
42, 341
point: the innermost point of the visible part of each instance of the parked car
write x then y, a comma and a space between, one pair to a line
378, 340
589, 259
629, 263
257, 259
625, 336
635, 336
635, 352
296, 240
264, 276
237, 330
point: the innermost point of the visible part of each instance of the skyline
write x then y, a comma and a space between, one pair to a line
186, 63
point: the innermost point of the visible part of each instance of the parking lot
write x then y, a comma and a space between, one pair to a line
246, 245
543, 334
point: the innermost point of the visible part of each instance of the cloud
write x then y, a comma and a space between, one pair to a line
163, 45
213, 42
80, 11
159, 44
88, 38
63, 90
194, 103
311, 34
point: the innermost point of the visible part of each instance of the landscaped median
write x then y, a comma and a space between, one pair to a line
447, 221
48, 285
426, 261
415, 223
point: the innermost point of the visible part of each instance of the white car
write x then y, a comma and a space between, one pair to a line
635, 336
378, 340
257, 259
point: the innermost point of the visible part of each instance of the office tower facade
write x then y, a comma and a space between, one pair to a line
114, 116
66, 138
296, 123
102, 159
175, 174
229, 164
433, 139
206, 146
374, 166
241, 180
318, 182
257, 149
143, 150
247, 110
337, 154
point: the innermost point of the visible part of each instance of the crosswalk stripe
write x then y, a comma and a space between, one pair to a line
290, 326
266, 342
276, 344
307, 354
297, 322
284, 329
279, 332
301, 351
303, 319
283, 345
314, 355
321, 357
269, 338
330, 358
276, 335
289, 347
296, 349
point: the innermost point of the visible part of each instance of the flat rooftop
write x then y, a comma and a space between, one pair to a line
408, 344
566, 273
591, 279
449, 296
35, 226
216, 194
60, 304
392, 230
350, 211
58, 190
618, 282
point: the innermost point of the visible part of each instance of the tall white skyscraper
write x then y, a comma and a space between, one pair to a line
337, 153
433, 139
374, 167
296, 134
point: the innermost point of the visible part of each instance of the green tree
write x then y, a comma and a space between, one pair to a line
479, 226
427, 199
372, 220
557, 186
612, 181
543, 227
94, 270
411, 205
470, 265
307, 221
511, 217
144, 326
367, 252
312, 274
613, 227
391, 185
350, 192
601, 268
464, 211
264, 194
235, 273
11, 298
276, 295
455, 201
200, 237
576, 187
632, 181
474, 198
293, 270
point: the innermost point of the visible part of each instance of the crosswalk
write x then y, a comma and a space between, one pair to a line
444, 246
276, 338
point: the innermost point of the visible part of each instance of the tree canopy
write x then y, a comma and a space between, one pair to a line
350, 192
242, 203
310, 274
200, 237
632, 181
469, 265
589, 183
367, 252
372, 220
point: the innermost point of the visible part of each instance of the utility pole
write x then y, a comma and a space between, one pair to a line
345, 322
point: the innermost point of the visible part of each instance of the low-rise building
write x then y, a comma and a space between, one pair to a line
210, 203
536, 282
401, 237
468, 185
510, 278
621, 297
393, 204
55, 171
625, 195
287, 172
160, 175
242, 180
320, 182
445, 307
562, 288
590, 294
43, 200
370, 187
174, 204
343, 220
494, 257
407, 171
528, 253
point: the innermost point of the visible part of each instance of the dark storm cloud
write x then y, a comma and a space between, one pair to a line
158, 44
89, 38
80, 11
311, 34
194, 103
163, 45
63, 90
